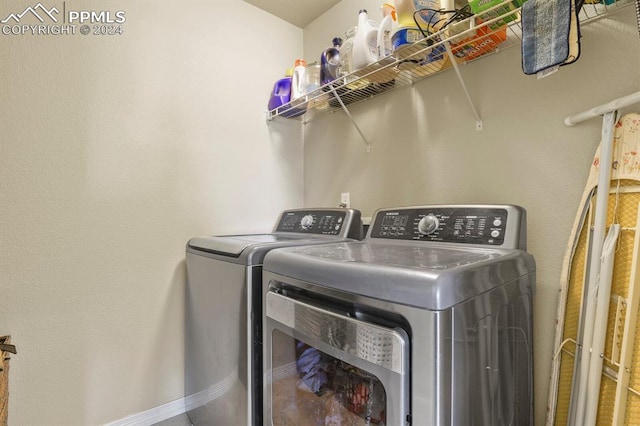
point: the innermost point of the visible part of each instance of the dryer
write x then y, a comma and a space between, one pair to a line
223, 311
427, 321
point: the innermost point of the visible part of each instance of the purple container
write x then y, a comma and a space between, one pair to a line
281, 93
280, 96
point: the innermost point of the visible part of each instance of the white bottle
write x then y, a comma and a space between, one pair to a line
365, 43
385, 47
298, 80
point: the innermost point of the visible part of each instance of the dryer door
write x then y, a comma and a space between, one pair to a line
322, 367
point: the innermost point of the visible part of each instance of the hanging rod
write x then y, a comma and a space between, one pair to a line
622, 102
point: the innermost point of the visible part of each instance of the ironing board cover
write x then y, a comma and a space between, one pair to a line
625, 168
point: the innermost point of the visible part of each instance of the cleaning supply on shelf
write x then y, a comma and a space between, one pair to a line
365, 42
384, 45
483, 40
405, 36
346, 53
330, 62
347, 66
311, 77
405, 9
315, 97
281, 93
479, 7
427, 16
297, 82
422, 14
280, 99
549, 35
417, 19
350, 86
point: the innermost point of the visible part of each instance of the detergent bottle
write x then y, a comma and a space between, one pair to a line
346, 53
365, 42
330, 62
298, 79
385, 47
281, 93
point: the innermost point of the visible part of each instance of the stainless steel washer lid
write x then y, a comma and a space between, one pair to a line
250, 249
294, 227
426, 275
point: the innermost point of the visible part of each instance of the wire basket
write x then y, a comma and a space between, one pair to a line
360, 393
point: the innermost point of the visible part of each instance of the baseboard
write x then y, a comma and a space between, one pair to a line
154, 415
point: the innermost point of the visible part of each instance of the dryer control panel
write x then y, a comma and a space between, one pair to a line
502, 225
338, 222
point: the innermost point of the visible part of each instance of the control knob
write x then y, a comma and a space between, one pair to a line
428, 224
306, 221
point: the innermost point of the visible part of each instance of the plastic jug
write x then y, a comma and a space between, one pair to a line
311, 84
346, 53
365, 42
330, 62
385, 47
281, 93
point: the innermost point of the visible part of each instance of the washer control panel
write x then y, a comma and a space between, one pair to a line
480, 225
325, 222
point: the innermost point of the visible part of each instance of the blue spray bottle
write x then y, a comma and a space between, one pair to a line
330, 61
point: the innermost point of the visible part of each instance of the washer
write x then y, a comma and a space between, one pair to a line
427, 321
223, 351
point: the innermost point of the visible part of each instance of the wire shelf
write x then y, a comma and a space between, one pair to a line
473, 38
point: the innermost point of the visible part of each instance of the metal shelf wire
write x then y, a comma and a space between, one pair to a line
477, 37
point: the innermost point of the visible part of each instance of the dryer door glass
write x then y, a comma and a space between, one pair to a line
315, 388
323, 368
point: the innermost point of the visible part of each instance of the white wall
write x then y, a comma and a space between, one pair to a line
114, 150
425, 148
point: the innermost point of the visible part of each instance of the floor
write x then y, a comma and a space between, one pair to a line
180, 420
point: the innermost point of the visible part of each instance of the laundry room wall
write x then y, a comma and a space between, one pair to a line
114, 151
425, 148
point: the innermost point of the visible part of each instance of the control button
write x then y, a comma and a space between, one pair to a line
428, 224
337, 227
339, 220
306, 222
495, 233
497, 222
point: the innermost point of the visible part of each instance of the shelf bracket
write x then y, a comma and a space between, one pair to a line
452, 57
346, 111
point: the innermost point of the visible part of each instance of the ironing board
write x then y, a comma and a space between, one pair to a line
581, 393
